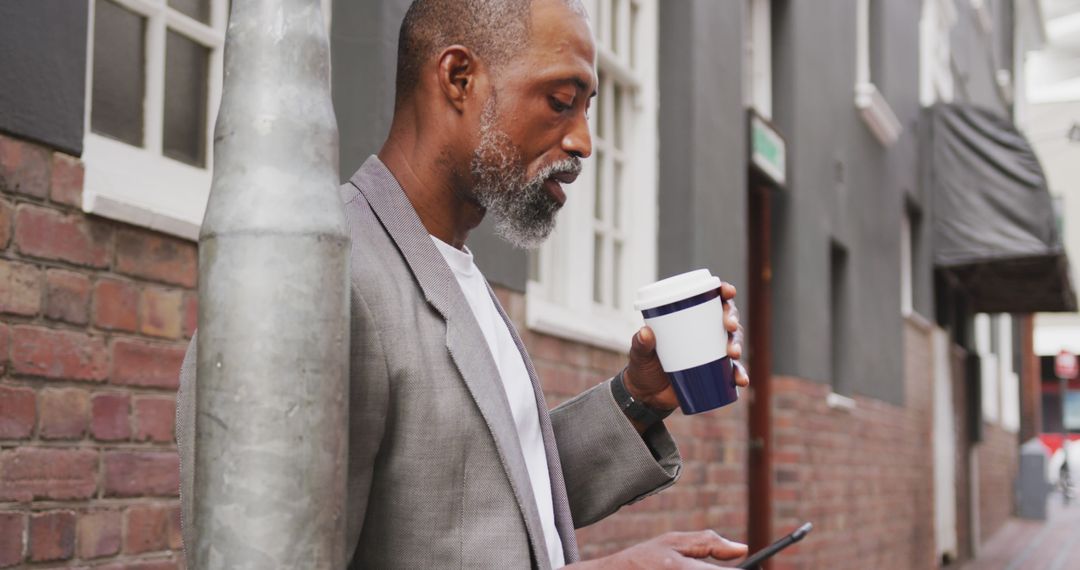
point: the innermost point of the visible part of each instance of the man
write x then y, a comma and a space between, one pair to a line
454, 459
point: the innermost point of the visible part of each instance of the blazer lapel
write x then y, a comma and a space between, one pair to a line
564, 520
464, 339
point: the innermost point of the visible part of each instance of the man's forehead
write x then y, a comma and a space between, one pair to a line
561, 41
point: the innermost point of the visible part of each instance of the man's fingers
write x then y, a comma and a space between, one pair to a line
727, 291
705, 544
742, 379
643, 344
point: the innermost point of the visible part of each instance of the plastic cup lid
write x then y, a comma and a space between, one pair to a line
676, 288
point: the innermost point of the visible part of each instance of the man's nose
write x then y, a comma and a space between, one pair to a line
577, 142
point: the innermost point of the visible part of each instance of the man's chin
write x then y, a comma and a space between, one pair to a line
524, 238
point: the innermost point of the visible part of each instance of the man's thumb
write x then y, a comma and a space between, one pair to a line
643, 344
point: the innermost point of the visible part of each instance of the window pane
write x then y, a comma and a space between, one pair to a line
598, 198
598, 268
186, 64
633, 34
618, 117
616, 292
119, 73
198, 9
616, 194
613, 39
600, 106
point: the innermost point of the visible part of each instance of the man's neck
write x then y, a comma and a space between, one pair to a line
445, 212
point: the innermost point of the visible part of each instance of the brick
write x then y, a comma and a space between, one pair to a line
24, 167
60, 354
52, 536
5, 347
138, 363
154, 419
142, 474
50, 234
7, 214
99, 534
28, 473
66, 182
157, 257
12, 538
67, 296
65, 412
20, 288
109, 416
17, 412
147, 529
191, 314
116, 305
160, 312
146, 565
176, 536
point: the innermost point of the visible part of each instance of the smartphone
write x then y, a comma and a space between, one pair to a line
767, 552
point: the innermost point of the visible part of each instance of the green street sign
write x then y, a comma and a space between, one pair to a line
768, 151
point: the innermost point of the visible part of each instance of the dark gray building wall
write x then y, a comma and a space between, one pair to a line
43, 71
363, 41
977, 56
846, 189
703, 155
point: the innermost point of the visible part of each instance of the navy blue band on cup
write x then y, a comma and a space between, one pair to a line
680, 305
706, 387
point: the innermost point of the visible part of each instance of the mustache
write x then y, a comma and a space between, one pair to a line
570, 165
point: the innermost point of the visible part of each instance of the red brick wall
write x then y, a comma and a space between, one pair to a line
712, 490
93, 320
862, 476
999, 453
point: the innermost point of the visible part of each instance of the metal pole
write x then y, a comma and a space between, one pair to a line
272, 417
760, 483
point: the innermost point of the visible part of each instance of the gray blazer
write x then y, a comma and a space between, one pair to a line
436, 473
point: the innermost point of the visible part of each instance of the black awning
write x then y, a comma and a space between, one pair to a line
995, 234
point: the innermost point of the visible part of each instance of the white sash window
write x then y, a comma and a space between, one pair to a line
582, 281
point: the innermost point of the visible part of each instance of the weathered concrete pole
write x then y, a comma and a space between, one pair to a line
271, 420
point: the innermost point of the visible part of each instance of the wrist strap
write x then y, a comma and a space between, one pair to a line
633, 408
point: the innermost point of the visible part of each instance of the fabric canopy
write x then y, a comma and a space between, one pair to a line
995, 233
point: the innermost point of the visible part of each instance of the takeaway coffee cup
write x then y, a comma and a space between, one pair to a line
686, 314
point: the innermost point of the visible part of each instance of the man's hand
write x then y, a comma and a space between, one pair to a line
674, 550
646, 380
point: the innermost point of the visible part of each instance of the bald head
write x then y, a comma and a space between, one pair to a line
495, 30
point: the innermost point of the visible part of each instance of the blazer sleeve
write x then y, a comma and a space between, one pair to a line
606, 462
368, 403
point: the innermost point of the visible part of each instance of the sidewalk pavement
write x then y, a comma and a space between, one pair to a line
1035, 545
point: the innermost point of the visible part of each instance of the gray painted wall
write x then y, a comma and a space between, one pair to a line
845, 188
43, 71
978, 56
703, 186
363, 44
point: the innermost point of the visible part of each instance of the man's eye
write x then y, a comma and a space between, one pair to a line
559, 105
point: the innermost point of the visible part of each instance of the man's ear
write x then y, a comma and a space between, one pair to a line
457, 73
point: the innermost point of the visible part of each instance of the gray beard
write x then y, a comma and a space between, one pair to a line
523, 210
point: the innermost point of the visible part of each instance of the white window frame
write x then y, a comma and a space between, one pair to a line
989, 374
757, 60
561, 301
935, 51
140, 185
873, 108
907, 274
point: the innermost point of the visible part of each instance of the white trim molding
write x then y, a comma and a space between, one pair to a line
877, 114
872, 106
839, 402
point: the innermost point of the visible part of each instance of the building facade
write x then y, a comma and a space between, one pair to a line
862, 417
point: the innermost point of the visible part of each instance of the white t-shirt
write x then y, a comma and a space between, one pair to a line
516, 382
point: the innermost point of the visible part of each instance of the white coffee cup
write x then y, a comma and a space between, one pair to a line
686, 315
